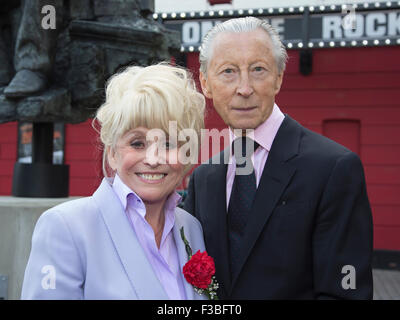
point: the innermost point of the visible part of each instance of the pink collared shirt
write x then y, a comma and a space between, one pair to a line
165, 261
264, 135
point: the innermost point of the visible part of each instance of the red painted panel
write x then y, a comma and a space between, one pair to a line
368, 116
377, 98
292, 66
345, 132
82, 133
82, 186
6, 167
82, 153
315, 128
8, 132
384, 194
6, 185
385, 215
84, 169
382, 174
381, 154
8, 151
8, 155
355, 59
386, 238
349, 60
343, 81
385, 135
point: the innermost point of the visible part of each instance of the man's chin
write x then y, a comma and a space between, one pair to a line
244, 125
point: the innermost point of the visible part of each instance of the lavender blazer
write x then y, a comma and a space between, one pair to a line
87, 249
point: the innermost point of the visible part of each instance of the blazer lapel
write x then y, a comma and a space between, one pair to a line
139, 271
274, 180
183, 258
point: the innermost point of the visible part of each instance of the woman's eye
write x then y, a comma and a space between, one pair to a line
138, 144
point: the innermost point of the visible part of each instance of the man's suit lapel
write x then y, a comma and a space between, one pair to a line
276, 176
216, 220
140, 273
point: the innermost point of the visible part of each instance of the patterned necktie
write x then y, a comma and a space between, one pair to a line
242, 196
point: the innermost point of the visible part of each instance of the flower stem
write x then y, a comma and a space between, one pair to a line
187, 246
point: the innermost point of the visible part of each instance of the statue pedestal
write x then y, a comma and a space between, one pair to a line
18, 217
40, 180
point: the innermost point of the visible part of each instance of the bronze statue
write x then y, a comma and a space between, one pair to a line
58, 73
34, 50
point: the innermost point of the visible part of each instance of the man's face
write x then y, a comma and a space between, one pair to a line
242, 78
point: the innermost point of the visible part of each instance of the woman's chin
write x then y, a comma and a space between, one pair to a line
153, 198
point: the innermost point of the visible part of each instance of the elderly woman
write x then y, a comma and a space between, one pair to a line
123, 242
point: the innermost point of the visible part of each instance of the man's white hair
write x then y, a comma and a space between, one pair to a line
238, 25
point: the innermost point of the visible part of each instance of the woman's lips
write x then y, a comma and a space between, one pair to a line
151, 177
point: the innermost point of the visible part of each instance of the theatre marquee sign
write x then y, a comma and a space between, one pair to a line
369, 24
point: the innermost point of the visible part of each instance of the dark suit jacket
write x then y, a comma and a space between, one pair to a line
310, 218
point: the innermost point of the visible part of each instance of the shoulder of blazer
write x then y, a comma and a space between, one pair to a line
76, 209
323, 146
184, 218
78, 213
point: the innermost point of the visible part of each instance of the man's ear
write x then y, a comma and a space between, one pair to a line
205, 85
278, 83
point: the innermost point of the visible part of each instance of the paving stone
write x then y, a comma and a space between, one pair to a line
386, 284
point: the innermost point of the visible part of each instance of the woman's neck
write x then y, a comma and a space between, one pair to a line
155, 216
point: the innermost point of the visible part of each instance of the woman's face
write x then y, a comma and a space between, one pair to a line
149, 168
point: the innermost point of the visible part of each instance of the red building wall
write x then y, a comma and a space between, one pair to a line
8, 155
84, 157
352, 96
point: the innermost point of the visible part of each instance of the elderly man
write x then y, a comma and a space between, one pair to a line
299, 226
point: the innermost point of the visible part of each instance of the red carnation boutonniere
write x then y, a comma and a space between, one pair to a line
199, 271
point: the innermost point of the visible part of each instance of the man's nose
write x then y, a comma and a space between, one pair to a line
245, 87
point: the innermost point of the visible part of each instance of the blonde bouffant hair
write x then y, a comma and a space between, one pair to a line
148, 97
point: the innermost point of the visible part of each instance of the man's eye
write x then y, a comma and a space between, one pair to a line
258, 69
169, 145
228, 71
